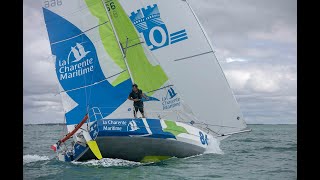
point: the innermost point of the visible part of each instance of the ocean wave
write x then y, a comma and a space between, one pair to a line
34, 158
108, 162
280, 149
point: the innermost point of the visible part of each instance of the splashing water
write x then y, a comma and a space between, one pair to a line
34, 158
213, 147
108, 162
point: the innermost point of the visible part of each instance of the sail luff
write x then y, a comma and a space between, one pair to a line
116, 35
209, 42
211, 46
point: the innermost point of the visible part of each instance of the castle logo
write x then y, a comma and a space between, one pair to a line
149, 23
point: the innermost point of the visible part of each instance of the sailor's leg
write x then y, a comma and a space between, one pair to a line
135, 110
142, 111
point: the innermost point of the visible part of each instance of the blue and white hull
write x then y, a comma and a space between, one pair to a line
142, 140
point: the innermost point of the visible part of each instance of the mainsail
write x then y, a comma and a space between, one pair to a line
160, 45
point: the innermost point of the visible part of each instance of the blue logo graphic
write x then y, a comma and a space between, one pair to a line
171, 99
171, 93
149, 23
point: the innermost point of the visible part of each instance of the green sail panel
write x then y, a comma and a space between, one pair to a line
108, 39
148, 76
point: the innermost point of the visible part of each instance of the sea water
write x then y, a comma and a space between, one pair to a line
268, 152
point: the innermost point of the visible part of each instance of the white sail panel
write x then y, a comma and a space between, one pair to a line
176, 39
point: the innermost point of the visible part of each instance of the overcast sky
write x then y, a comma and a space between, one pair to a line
255, 42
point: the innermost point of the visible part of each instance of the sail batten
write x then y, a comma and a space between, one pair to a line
189, 57
79, 34
95, 83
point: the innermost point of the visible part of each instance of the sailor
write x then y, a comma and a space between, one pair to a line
136, 96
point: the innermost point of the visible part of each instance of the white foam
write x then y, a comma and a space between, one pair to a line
213, 147
193, 156
33, 158
107, 162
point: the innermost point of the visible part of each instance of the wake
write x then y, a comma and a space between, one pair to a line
34, 158
108, 162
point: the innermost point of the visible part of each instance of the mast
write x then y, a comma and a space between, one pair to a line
115, 33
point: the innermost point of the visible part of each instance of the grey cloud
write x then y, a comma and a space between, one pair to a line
263, 35
236, 27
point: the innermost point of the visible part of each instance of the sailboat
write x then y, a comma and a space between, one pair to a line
159, 45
